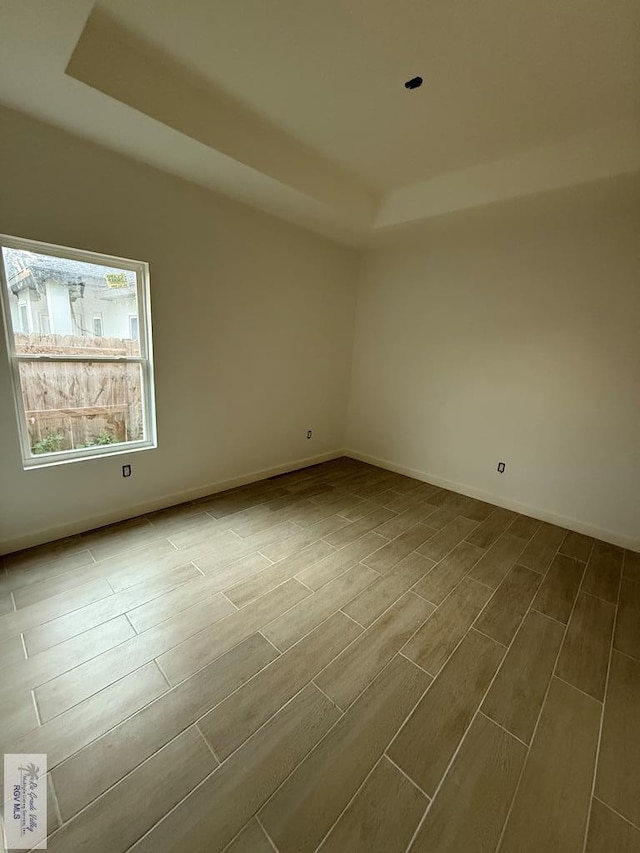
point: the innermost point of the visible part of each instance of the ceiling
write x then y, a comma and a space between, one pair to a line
299, 107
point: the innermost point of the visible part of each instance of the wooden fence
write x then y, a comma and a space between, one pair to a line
80, 403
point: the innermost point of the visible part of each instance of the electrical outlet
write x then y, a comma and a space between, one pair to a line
309, 433
501, 467
126, 470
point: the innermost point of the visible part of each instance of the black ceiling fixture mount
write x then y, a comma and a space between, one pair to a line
414, 83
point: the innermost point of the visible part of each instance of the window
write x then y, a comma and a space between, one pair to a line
78, 394
24, 318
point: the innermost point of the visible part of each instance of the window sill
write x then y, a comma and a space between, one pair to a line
65, 458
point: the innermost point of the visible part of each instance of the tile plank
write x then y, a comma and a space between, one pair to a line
584, 657
432, 644
386, 558
75, 728
524, 527
558, 591
201, 648
496, 563
471, 507
445, 540
492, 528
542, 548
376, 520
139, 800
96, 767
517, 694
405, 520
277, 551
354, 668
68, 655
577, 545
381, 818
233, 721
627, 638
504, 613
604, 568
631, 565
69, 688
51, 608
478, 788
304, 809
448, 573
431, 735
337, 563
618, 780
57, 630
551, 805
609, 832
366, 607
242, 591
241, 785
251, 840
290, 627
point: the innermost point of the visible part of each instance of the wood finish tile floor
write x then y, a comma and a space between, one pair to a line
340, 659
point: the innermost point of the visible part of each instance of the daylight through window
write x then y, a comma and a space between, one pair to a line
79, 338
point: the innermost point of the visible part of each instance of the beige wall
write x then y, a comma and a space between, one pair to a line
511, 334
252, 323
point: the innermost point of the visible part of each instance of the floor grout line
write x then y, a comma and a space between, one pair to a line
133, 627
273, 646
546, 694
357, 791
624, 654
226, 598
206, 742
575, 687
406, 776
402, 654
35, 705
488, 636
480, 703
355, 621
262, 826
56, 802
604, 703
364, 629
619, 814
326, 696
500, 726
546, 615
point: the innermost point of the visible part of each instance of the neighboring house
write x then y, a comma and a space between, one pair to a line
55, 296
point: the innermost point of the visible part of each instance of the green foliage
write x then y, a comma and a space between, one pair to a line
49, 444
104, 438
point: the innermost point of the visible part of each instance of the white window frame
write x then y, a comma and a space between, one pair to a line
132, 317
97, 317
145, 359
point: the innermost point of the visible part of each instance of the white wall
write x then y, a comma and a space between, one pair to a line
511, 334
252, 322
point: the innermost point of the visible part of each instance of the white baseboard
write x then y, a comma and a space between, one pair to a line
525, 509
81, 525
49, 534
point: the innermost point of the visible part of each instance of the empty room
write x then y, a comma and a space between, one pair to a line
320, 426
